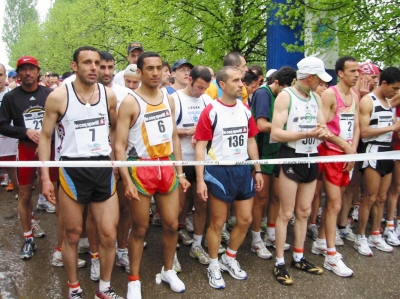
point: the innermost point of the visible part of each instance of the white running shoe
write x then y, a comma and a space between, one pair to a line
176, 265
347, 233
361, 245
354, 214
95, 269
57, 260
215, 278
397, 230
83, 248
184, 237
225, 237
260, 249
391, 237
173, 280
123, 261
337, 266
4, 180
319, 248
379, 243
338, 239
134, 290
38, 232
269, 242
189, 223
199, 253
232, 267
44, 205
312, 231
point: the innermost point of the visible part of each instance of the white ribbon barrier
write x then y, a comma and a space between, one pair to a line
391, 155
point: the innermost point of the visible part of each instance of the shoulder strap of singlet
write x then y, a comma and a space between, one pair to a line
178, 121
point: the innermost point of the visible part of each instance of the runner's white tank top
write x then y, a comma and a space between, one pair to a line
84, 132
151, 135
8, 146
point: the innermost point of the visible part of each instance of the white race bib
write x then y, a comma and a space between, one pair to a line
307, 145
346, 123
234, 141
159, 126
33, 120
385, 121
91, 135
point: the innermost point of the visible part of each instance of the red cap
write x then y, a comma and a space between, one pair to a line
368, 68
27, 60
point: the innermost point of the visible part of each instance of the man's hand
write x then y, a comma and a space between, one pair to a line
193, 142
131, 192
259, 181
202, 190
116, 173
48, 191
33, 135
364, 87
184, 183
349, 150
348, 166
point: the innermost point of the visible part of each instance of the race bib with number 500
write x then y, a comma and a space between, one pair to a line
34, 120
91, 135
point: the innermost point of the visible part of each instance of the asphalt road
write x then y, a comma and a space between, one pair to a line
376, 277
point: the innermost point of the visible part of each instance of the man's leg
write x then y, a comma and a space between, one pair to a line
123, 227
243, 211
185, 204
392, 199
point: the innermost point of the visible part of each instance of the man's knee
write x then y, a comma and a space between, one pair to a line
170, 225
139, 230
72, 235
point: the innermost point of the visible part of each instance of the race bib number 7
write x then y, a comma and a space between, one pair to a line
91, 135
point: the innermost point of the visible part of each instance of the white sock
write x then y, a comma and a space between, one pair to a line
214, 262
321, 241
197, 240
256, 236
297, 256
103, 285
279, 260
120, 252
271, 233
83, 242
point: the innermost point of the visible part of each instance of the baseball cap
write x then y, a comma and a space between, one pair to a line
270, 72
131, 70
313, 66
12, 74
27, 60
181, 62
135, 45
368, 68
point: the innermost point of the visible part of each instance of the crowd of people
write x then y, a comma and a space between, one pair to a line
153, 112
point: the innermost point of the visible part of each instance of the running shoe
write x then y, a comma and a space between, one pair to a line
306, 266
347, 233
261, 251
397, 230
173, 280
184, 237
84, 248
10, 187
95, 269
44, 205
282, 275
338, 239
123, 261
189, 223
176, 265
221, 248
199, 253
134, 290
108, 293
319, 248
354, 214
337, 266
293, 219
391, 237
379, 243
312, 231
57, 260
38, 232
215, 278
361, 245
233, 267
230, 224
319, 214
77, 294
269, 242
225, 237
28, 249
156, 220
4, 180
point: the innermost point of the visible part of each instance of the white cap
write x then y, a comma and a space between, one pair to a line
270, 72
313, 66
131, 70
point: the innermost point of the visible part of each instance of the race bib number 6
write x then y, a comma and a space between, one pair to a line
159, 126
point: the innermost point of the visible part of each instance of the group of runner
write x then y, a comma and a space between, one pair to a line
138, 115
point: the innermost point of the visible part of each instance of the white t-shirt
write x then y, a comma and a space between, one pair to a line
119, 78
121, 92
69, 79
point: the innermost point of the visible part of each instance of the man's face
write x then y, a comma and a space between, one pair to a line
47, 79
2, 77
131, 82
28, 74
106, 72
181, 74
133, 56
10, 79
198, 87
251, 88
322, 86
390, 90
372, 80
87, 67
54, 81
242, 66
350, 74
165, 76
233, 85
151, 72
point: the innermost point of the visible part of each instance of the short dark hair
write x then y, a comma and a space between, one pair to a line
232, 59
390, 74
222, 74
166, 64
66, 75
201, 72
142, 57
339, 65
250, 77
285, 76
80, 49
107, 56
54, 75
256, 69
